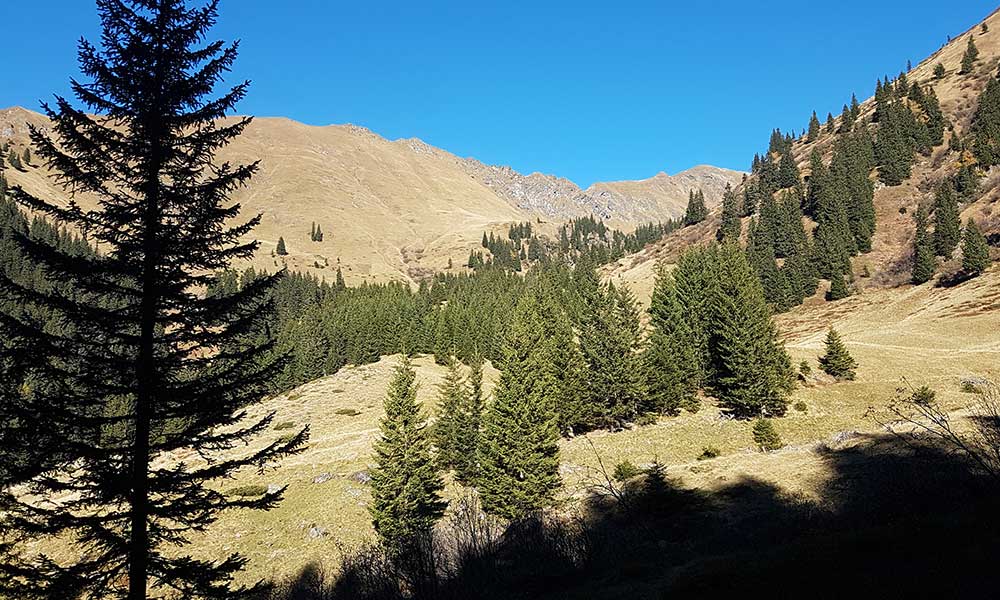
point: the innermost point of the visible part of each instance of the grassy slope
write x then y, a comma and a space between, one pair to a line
924, 334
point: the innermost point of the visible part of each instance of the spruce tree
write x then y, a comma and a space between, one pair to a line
729, 228
752, 374
923, 250
975, 251
813, 128
671, 363
696, 209
838, 288
947, 225
518, 447
986, 126
970, 56
281, 250
830, 123
451, 401
837, 361
469, 424
145, 366
406, 485
788, 171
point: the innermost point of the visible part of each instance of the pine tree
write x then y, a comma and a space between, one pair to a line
975, 251
518, 448
611, 342
696, 210
451, 400
752, 373
837, 361
813, 128
469, 424
830, 123
729, 228
156, 368
939, 71
281, 250
923, 250
406, 485
986, 126
671, 363
855, 108
788, 171
838, 288
969, 58
947, 225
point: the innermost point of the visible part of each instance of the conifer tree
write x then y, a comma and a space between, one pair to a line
837, 361
829, 123
947, 226
26, 157
145, 366
813, 128
923, 250
729, 228
855, 108
281, 250
696, 210
975, 251
406, 485
518, 448
970, 56
788, 171
892, 145
451, 401
671, 363
939, 71
838, 288
340, 285
752, 373
986, 126
469, 424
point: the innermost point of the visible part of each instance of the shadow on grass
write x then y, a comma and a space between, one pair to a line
891, 522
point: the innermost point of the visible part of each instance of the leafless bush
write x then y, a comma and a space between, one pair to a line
916, 415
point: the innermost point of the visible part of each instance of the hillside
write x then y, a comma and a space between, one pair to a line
889, 262
925, 335
395, 210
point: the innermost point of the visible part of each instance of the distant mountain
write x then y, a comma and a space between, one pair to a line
394, 209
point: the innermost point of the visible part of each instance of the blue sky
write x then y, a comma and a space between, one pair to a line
592, 91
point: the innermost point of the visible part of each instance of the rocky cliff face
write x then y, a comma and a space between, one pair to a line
624, 203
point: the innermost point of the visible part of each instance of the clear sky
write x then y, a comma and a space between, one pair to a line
592, 91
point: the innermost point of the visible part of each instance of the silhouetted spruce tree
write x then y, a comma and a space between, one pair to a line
696, 210
451, 400
813, 128
144, 365
970, 56
830, 125
837, 361
405, 481
518, 447
671, 364
947, 225
975, 251
923, 250
855, 108
729, 228
469, 424
752, 374
281, 250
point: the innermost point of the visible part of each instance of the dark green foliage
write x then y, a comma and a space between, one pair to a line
830, 125
939, 71
970, 56
729, 228
766, 436
788, 171
947, 226
813, 128
14, 160
672, 366
315, 233
696, 209
281, 250
26, 157
986, 126
452, 399
625, 471
468, 425
518, 450
804, 369
893, 145
975, 251
405, 481
137, 363
923, 250
709, 452
751, 373
838, 288
837, 361
611, 342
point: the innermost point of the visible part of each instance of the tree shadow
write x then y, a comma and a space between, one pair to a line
891, 520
